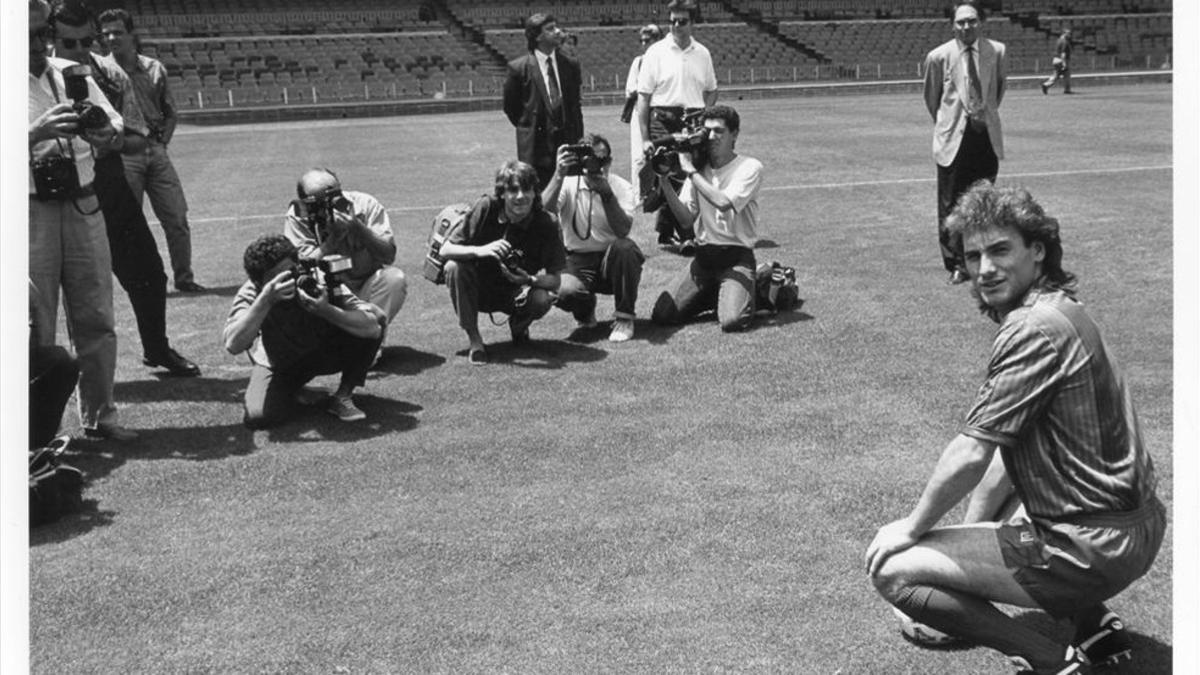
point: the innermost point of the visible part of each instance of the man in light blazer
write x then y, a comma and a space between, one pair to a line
542, 96
964, 84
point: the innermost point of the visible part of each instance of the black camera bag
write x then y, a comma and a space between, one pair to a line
55, 488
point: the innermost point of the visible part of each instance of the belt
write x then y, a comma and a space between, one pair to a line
677, 109
88, 190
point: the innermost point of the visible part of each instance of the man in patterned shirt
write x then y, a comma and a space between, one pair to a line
1057, 409
150, 170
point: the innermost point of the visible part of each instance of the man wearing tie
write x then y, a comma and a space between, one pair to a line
964, 84
541, 96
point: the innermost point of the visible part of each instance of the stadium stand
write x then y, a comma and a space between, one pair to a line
222, 53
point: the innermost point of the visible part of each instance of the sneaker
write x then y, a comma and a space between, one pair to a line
1075, 662
110, 431
1107, 645
173, 361
622, 330
1045, 89
344, 409
477, 357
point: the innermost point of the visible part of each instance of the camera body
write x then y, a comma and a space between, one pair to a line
91, 116
314, 274
514, 260
54, 177
587, 163
319, 212
663, 158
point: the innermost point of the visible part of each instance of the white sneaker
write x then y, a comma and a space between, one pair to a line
622, 330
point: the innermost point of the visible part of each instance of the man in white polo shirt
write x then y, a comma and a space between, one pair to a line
676, 78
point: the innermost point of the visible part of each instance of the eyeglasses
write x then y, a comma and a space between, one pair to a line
680, 22
85, 42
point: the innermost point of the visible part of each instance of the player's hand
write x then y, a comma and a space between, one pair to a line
516, 277
647, 148
889, 540
565, 160
598, 184
57, 122
282, 287
314, 304
495, 249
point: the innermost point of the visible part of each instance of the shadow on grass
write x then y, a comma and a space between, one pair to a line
164, 387
541, 354
71, 525
215, 291
660, 334
766, 243
312, 424
399, 360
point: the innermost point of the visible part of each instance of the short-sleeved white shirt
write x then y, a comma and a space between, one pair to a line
676, 77
739, 181
581, 213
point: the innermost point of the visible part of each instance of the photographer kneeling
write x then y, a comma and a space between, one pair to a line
300, 324
595, 212
506, 257
721, 203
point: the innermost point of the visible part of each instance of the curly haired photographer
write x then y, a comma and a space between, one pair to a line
720, 203
595, 212
70, 119
506, 257
298, 323
326, 220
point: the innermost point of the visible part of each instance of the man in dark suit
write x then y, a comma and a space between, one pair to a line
541, 96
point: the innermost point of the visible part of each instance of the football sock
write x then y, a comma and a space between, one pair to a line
977, 620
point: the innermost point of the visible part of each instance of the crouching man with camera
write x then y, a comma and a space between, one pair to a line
68, 247
506, 257
721, 203
326, 220
595, 213
299, 321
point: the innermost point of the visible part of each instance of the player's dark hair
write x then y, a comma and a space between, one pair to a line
264, 253
533, 28
732, 120
984, 206
117, 14
73, 13
688, 6
515, 173
651, 31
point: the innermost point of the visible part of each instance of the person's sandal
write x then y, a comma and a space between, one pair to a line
477, 357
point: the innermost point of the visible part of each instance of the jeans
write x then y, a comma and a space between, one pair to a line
719, 277
616, 270
150, 172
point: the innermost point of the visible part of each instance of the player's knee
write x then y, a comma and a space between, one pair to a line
891, 580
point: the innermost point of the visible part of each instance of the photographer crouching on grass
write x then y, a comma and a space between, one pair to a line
301, 322
595, 213
326, 220
720, 202
506, 257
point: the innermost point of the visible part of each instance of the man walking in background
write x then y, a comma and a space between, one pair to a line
1061, 63
964, 84
150, 171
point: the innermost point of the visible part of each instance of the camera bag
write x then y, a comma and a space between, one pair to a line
445, 223
55, 488
775, 288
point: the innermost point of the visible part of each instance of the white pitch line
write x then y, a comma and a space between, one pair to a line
775, 188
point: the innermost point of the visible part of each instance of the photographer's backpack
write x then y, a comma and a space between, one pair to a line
444, 224
775, 288
55, 488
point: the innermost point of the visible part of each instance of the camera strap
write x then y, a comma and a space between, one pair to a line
584, 236
70, 146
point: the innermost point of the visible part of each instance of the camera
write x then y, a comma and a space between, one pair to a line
664, 156
91, 116
312, 274
54, 177
587, 163
514, 260
318, 210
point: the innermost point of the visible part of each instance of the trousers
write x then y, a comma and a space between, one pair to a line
151, 173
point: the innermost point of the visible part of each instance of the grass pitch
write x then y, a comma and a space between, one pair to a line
688, 501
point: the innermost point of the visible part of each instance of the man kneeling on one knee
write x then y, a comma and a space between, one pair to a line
720, 201
506, 257
297, 326
326, 220
595, 213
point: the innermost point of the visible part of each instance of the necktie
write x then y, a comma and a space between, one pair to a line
552, 83
976, 94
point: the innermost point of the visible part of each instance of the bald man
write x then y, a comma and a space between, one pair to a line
327, 220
